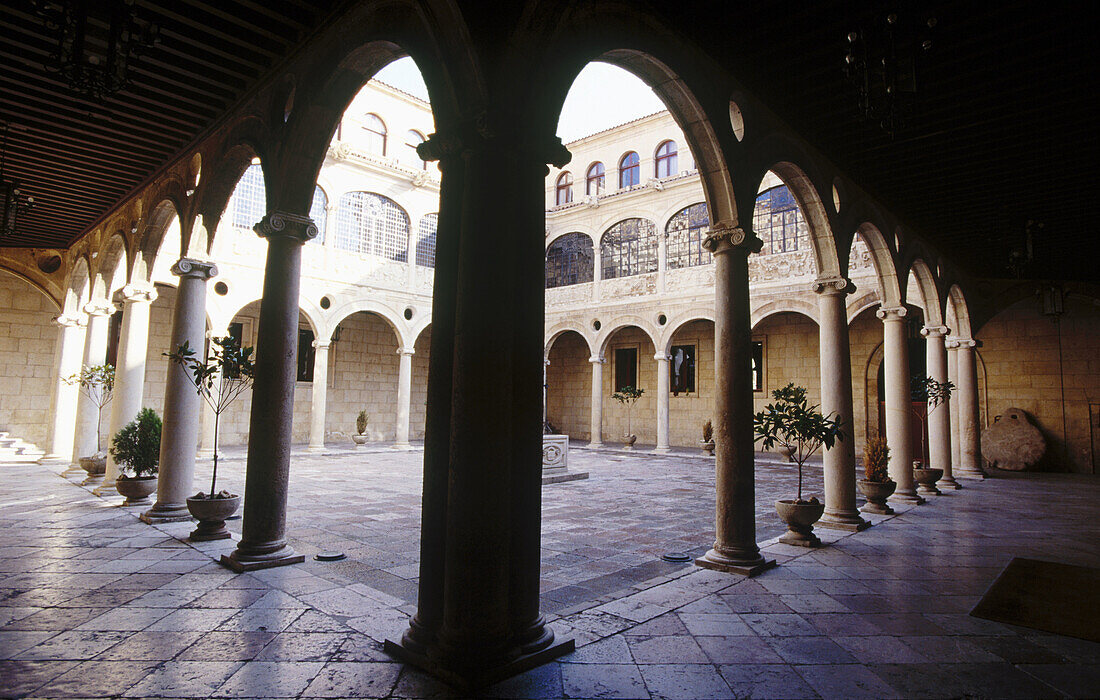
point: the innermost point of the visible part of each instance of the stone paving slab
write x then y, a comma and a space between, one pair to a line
881, 613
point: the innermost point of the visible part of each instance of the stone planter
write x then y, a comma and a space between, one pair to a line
708, 447
926, 480
787, 452
628, 441
211, 514
359, 440
876, 493
136, 489
96, 466
800, 519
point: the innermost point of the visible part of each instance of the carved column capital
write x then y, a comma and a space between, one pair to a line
662, 357
959, 343
892, 313
283, 224
723, 239
139, 293
322, 344
70, 321
597, 360
931, 332
833, 285
198, 269
484, 129
99, 307
406, 352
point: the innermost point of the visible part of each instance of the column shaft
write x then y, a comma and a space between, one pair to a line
404, 398
320, 397
836, 400
88, 440
899, 402
663, 391
953, 406
970, 453
70, 348
939, 416
596, 438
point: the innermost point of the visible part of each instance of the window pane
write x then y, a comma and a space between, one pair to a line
374, 133
594, 181
626, 368
666, 159
564, 190
682, 369
569, 260
249, 198
629, 248
629, 170
687, 230
413, 139
779, 223
372, 224
425, 240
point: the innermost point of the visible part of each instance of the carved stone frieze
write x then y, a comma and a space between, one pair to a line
633, 286
782, 267
569, 295
690, 278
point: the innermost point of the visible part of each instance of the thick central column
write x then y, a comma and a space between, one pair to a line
899, 402
263, 536
320, 397
179, 437
970, 452
478, 610
596, 439
841, 511
663, 373
939, 416
70, 347
404, 397
735, 547
88, 440
133, 346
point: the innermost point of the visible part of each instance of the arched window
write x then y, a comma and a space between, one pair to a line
594, 180
778, 222
687, 230
249, 198
569, 260
425, 240
629, 248
318, 214
564, 190
374, 131
414, 138
370, 223
665, 164
629, 171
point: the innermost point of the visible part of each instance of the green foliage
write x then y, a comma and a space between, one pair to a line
928, 389
361, 422
708, 432
792, 423
876, 455
628, 395
97, 382
137, 445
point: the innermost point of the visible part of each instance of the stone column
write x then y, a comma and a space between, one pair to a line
841, 511
663, 390
953, 406
70, 347
735, 547
596, 439
320, 396
939, 416
88, 417
133, 346
404, 398
179, 437
970, 451
899, 402
263, 538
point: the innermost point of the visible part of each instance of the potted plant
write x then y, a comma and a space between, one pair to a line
708, 439
361, 426
136, 448
935, 394
96, 382
790, 422
219, 380
877, 486
628, 396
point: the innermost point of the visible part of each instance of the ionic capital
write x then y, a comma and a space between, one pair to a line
931, 332
500, 131
196, 269
662, 357
833, 285
597, 360
283, 224
892, 313
137, 293
961, 343
723, 239
322, 344
406, 352
100, 307
70, 321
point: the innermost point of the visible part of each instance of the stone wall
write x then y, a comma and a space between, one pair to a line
687, 412
569, 387
865, 341
643, 415
790, 355
28, 341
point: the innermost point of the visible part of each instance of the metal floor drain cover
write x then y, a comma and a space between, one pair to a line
330, 556
676, 557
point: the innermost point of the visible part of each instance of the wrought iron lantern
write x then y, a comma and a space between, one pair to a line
13, 201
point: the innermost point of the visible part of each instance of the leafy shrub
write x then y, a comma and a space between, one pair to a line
876, 455
137, 445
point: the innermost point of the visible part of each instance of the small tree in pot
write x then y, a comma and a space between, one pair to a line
935, 394
136, 448
792, 423
877, 486
628, 396
220, 380
361, 427
97, 383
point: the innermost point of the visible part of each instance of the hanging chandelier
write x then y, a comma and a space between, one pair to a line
95, 42
883, 62
13, 201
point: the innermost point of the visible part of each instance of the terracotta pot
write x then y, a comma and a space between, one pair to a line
96, 466
137, 489
876, 493
800, 519
628, 441
926, 480
708, 447
211, 514
359, 440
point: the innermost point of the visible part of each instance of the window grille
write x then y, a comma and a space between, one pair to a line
569, 260
687, 230
778, 222
425, 241
666, 159
249, 198
372, 224
629, 248
564, 189
318, 214
629, 170
374, 131
594, 180
413, 139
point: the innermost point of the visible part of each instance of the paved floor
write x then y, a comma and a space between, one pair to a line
94, 603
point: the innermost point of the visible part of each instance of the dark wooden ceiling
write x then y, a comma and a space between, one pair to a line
1004, 129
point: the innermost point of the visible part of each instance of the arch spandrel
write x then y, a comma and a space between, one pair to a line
609, 328
149, 247
676, 325
111, 268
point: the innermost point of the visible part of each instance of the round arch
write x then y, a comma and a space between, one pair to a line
563, 327
609, 329
789, 304
674, 326
405, 339
928, 292
822, 240
883, 259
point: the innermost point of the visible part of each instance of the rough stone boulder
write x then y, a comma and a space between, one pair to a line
1012, 442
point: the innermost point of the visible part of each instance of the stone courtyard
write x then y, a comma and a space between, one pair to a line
94, 603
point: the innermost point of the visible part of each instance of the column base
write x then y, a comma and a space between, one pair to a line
847, 520
876, 509
57, 460
402, 446
909, 497
748, 567
73, 471
172, 513
105, 489
594, 445
241, 563
93, 480
315, 449
948, 483
662, 450
967, 473
468, 680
